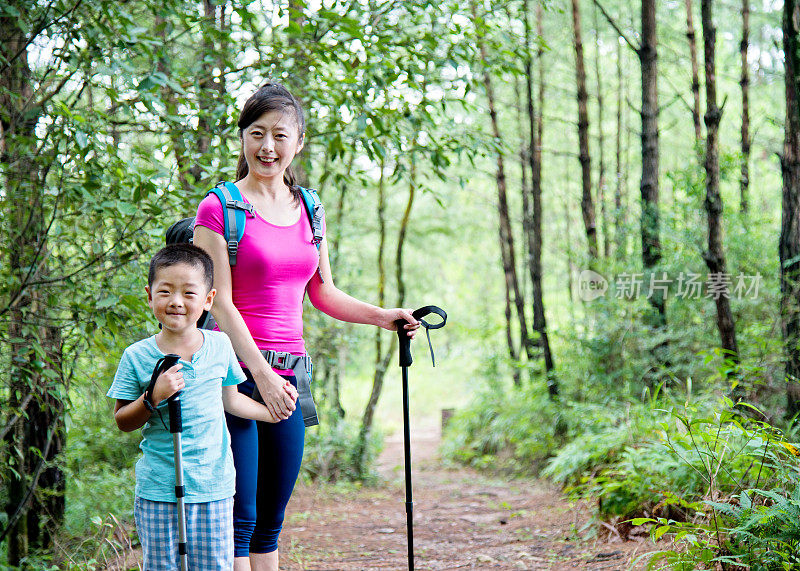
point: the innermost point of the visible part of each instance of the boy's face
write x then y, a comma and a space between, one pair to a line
178, 297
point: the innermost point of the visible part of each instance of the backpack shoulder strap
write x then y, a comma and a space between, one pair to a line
234, 210
315, 211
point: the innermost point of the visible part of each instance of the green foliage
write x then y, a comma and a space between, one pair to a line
745, 515
134, 116
328, 455
509, 430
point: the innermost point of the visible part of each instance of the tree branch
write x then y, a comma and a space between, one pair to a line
17, 415
617, 29
12, 521
41, 28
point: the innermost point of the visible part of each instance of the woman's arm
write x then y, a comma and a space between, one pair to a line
279, 399
326, 297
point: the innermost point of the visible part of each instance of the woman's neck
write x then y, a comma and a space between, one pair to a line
272, 188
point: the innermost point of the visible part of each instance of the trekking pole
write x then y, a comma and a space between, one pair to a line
176, 428
405, 363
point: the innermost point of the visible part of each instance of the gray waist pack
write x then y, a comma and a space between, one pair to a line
301, 366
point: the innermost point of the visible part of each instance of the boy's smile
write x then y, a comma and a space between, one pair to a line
178, 297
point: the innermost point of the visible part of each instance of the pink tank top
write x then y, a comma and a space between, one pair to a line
273, 267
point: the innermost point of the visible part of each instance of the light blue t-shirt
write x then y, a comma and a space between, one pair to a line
208, 471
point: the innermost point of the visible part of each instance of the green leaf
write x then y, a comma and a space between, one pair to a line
107, 301
81, 139
127, 208
661, 530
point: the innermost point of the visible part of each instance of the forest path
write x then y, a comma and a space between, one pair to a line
463, 519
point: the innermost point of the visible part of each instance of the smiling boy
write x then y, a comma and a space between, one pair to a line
179, 290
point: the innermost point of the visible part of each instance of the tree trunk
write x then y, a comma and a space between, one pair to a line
381, 360
513, 348
744, 181
176, 132
587, 203
210, 89
692, 37
341, 329
619, 212
651, 241
382, 364
506, 236
535, 130
715, 255
34, 482
601, 174
789, 245
568, 251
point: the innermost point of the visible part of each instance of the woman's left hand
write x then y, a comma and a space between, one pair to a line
389, 316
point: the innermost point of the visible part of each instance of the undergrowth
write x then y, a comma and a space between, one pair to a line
710, 475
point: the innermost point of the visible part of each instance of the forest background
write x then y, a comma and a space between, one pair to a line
637, 347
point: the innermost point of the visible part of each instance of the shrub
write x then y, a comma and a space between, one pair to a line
513, 431
329, 452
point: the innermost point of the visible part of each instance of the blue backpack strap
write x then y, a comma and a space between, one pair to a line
233, 209
315, 211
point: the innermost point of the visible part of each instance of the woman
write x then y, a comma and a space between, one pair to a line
259, 305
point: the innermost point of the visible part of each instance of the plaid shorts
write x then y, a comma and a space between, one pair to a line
209, 534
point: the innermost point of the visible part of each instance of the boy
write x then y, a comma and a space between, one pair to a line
179, 290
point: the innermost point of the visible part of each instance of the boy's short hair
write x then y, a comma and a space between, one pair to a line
183, 253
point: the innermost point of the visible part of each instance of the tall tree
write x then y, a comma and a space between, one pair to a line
601, 172
587, 202
651, 240
35, 484
506, 236
535, 131
647, 52
692, 37
789, 244
744, 46
715, 254
382, 358
212, 66
619, 203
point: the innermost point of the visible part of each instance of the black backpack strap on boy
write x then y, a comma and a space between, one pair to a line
164, 363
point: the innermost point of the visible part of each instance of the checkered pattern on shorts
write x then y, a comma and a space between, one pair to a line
209, 534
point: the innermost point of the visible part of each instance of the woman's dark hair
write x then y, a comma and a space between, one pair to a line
270, 97
183, 253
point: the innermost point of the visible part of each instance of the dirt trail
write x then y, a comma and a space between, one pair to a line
462, 520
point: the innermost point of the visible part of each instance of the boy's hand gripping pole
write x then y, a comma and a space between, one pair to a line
405, 362
176, 428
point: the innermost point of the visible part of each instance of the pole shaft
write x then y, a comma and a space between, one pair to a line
407, 462
182, 553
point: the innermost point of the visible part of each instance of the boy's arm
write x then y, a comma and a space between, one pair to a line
243, 406
131, 415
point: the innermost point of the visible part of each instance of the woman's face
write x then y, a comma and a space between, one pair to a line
270, 143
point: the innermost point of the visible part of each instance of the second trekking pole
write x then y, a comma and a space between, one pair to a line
405, 363
176, 428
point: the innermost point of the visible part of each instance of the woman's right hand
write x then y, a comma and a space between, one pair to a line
279, 395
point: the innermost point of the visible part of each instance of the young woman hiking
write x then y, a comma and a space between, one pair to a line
259, 305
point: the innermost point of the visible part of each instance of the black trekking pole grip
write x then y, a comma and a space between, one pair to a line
405, 343
402, 334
